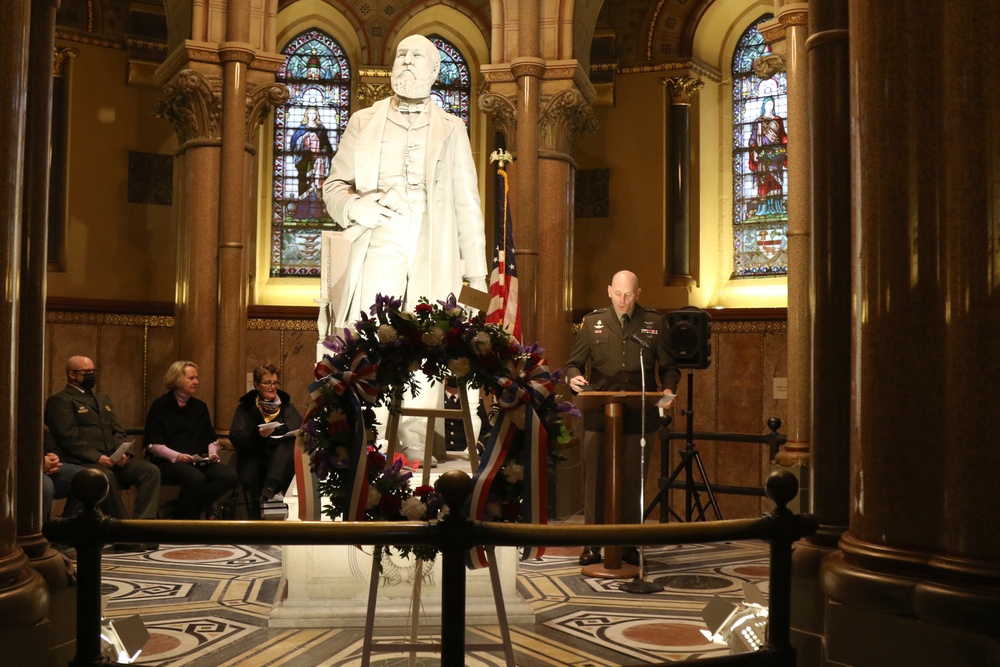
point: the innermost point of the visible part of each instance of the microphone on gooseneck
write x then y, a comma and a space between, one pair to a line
645, 344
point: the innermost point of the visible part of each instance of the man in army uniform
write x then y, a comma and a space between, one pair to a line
609, 343
86, 432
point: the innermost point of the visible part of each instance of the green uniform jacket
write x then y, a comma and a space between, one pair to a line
613, 357
83, 431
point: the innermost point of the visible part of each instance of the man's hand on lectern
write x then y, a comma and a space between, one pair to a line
578, 383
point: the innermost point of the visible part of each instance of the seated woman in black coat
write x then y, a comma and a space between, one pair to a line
260, 432
181, 442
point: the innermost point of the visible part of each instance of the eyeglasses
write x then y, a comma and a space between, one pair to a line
270, 384
86, 371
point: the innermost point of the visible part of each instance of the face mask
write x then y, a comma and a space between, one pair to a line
88, 381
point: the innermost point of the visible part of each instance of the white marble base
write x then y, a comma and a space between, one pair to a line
327, 586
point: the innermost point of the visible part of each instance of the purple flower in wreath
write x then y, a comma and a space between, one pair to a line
385, 303
450, 306
568, 408
531, 350
322, 463
394, 472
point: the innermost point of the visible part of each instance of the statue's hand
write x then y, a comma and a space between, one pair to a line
368, 212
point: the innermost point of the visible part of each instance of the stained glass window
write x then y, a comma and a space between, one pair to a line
453, 88
760, 164
307, 131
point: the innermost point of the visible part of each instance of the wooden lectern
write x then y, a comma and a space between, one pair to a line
614, 404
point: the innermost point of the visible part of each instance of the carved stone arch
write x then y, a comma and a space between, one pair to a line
346, 13
403, 23
584, 22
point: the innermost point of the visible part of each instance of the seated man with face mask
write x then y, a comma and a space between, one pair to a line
86, 432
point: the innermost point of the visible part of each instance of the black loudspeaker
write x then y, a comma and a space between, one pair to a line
690, 336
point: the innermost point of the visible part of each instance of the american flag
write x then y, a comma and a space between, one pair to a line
504, 307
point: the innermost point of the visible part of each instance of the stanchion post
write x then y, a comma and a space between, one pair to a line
782, 486
90, 487
455, 488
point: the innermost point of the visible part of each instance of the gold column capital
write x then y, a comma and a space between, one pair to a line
767, 66
502, 111
60, 58
562, 118
369, 93
534, 67
794, 14
261, 100
682, 88
192, 103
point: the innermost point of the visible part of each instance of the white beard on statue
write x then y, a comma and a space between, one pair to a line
411, 86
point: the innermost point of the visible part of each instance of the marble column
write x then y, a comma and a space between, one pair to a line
564, 116
828, 446
528, 72
30, 389
234, 235
192, 102
677, 185
918, 564
789, 31
23, 594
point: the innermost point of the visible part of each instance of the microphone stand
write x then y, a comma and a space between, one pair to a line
639, 584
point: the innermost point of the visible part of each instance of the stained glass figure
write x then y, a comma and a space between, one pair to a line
452, 90
760, 163
307, 131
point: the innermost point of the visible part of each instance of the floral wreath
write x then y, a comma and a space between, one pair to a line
378, 364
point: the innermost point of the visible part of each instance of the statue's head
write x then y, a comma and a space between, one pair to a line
415, 68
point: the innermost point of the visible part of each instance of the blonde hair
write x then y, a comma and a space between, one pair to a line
176, 372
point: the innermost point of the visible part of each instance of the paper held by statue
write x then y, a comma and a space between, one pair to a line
474, 298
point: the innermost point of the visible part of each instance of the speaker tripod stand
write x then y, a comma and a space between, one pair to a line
690, 459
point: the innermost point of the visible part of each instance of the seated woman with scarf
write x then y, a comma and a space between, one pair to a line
261, 433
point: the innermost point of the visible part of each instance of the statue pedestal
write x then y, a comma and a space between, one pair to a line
327, 586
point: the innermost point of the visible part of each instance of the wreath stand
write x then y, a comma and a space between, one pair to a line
370, 646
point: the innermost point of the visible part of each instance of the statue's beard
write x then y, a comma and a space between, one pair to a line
410, 85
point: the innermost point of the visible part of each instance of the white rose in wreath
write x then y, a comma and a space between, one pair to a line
460, 367
432, 337
482, 342
514, 472
387, 334
413, 509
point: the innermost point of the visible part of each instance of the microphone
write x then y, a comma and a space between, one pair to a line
645, 345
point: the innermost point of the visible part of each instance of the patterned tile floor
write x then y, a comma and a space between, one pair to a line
207, 606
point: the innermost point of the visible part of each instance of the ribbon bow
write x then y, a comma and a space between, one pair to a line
359, 377
531, 384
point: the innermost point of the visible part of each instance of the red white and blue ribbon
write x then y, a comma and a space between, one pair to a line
532, 383
358, 384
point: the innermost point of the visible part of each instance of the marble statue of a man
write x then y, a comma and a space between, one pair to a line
404, 182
